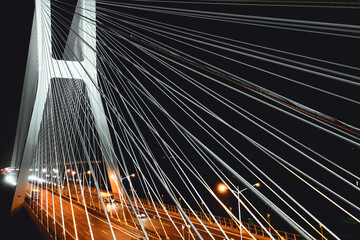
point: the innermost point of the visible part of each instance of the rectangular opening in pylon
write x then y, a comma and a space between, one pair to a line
65, 30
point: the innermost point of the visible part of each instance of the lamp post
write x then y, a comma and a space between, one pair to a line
322, 234
183, 230
121, 179
89, 173
239, 205
222, 188
128, 176
73, 173
189, 229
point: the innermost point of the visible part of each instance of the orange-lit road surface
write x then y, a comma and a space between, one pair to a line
99, 226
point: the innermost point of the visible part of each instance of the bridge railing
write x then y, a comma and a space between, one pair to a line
225, 222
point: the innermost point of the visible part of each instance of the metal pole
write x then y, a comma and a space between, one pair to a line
239, 207
188, 227
183, 229
322, 234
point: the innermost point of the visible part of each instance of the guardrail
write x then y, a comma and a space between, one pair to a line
205, 217
225, 222
39, 215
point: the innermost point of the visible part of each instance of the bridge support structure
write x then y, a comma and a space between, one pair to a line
78, 63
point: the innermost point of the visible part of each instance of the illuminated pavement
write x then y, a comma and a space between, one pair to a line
99, 226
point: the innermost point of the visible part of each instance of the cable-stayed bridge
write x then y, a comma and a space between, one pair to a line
189, 120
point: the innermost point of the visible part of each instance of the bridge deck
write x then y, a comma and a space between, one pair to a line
128, 229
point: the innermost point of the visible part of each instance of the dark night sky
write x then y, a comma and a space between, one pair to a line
15, 34
16, 20
14, 41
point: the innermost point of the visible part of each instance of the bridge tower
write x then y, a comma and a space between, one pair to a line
78, 63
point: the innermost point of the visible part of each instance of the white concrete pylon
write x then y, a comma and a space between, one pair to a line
79, 62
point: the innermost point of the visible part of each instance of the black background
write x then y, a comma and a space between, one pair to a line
16, 20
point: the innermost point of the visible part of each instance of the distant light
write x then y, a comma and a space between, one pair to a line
132, 175
105, 194
222, 187
5, 171
43, 170
88, 172
11, 180
35, 178
73, 172
257, 185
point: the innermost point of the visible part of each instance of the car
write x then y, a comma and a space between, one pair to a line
108, 200
141, 215
34, 195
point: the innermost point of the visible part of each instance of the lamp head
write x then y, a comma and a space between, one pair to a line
222, 187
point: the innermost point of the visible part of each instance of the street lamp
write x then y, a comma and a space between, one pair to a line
88, 173
183, 230
113, 176
223, 188
126, 177
73, 173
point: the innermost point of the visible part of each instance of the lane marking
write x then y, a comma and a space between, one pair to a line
172, 216
121, 230
60, 224
178, 220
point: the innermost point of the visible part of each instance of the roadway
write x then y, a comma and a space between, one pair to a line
94, 222
79, 223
